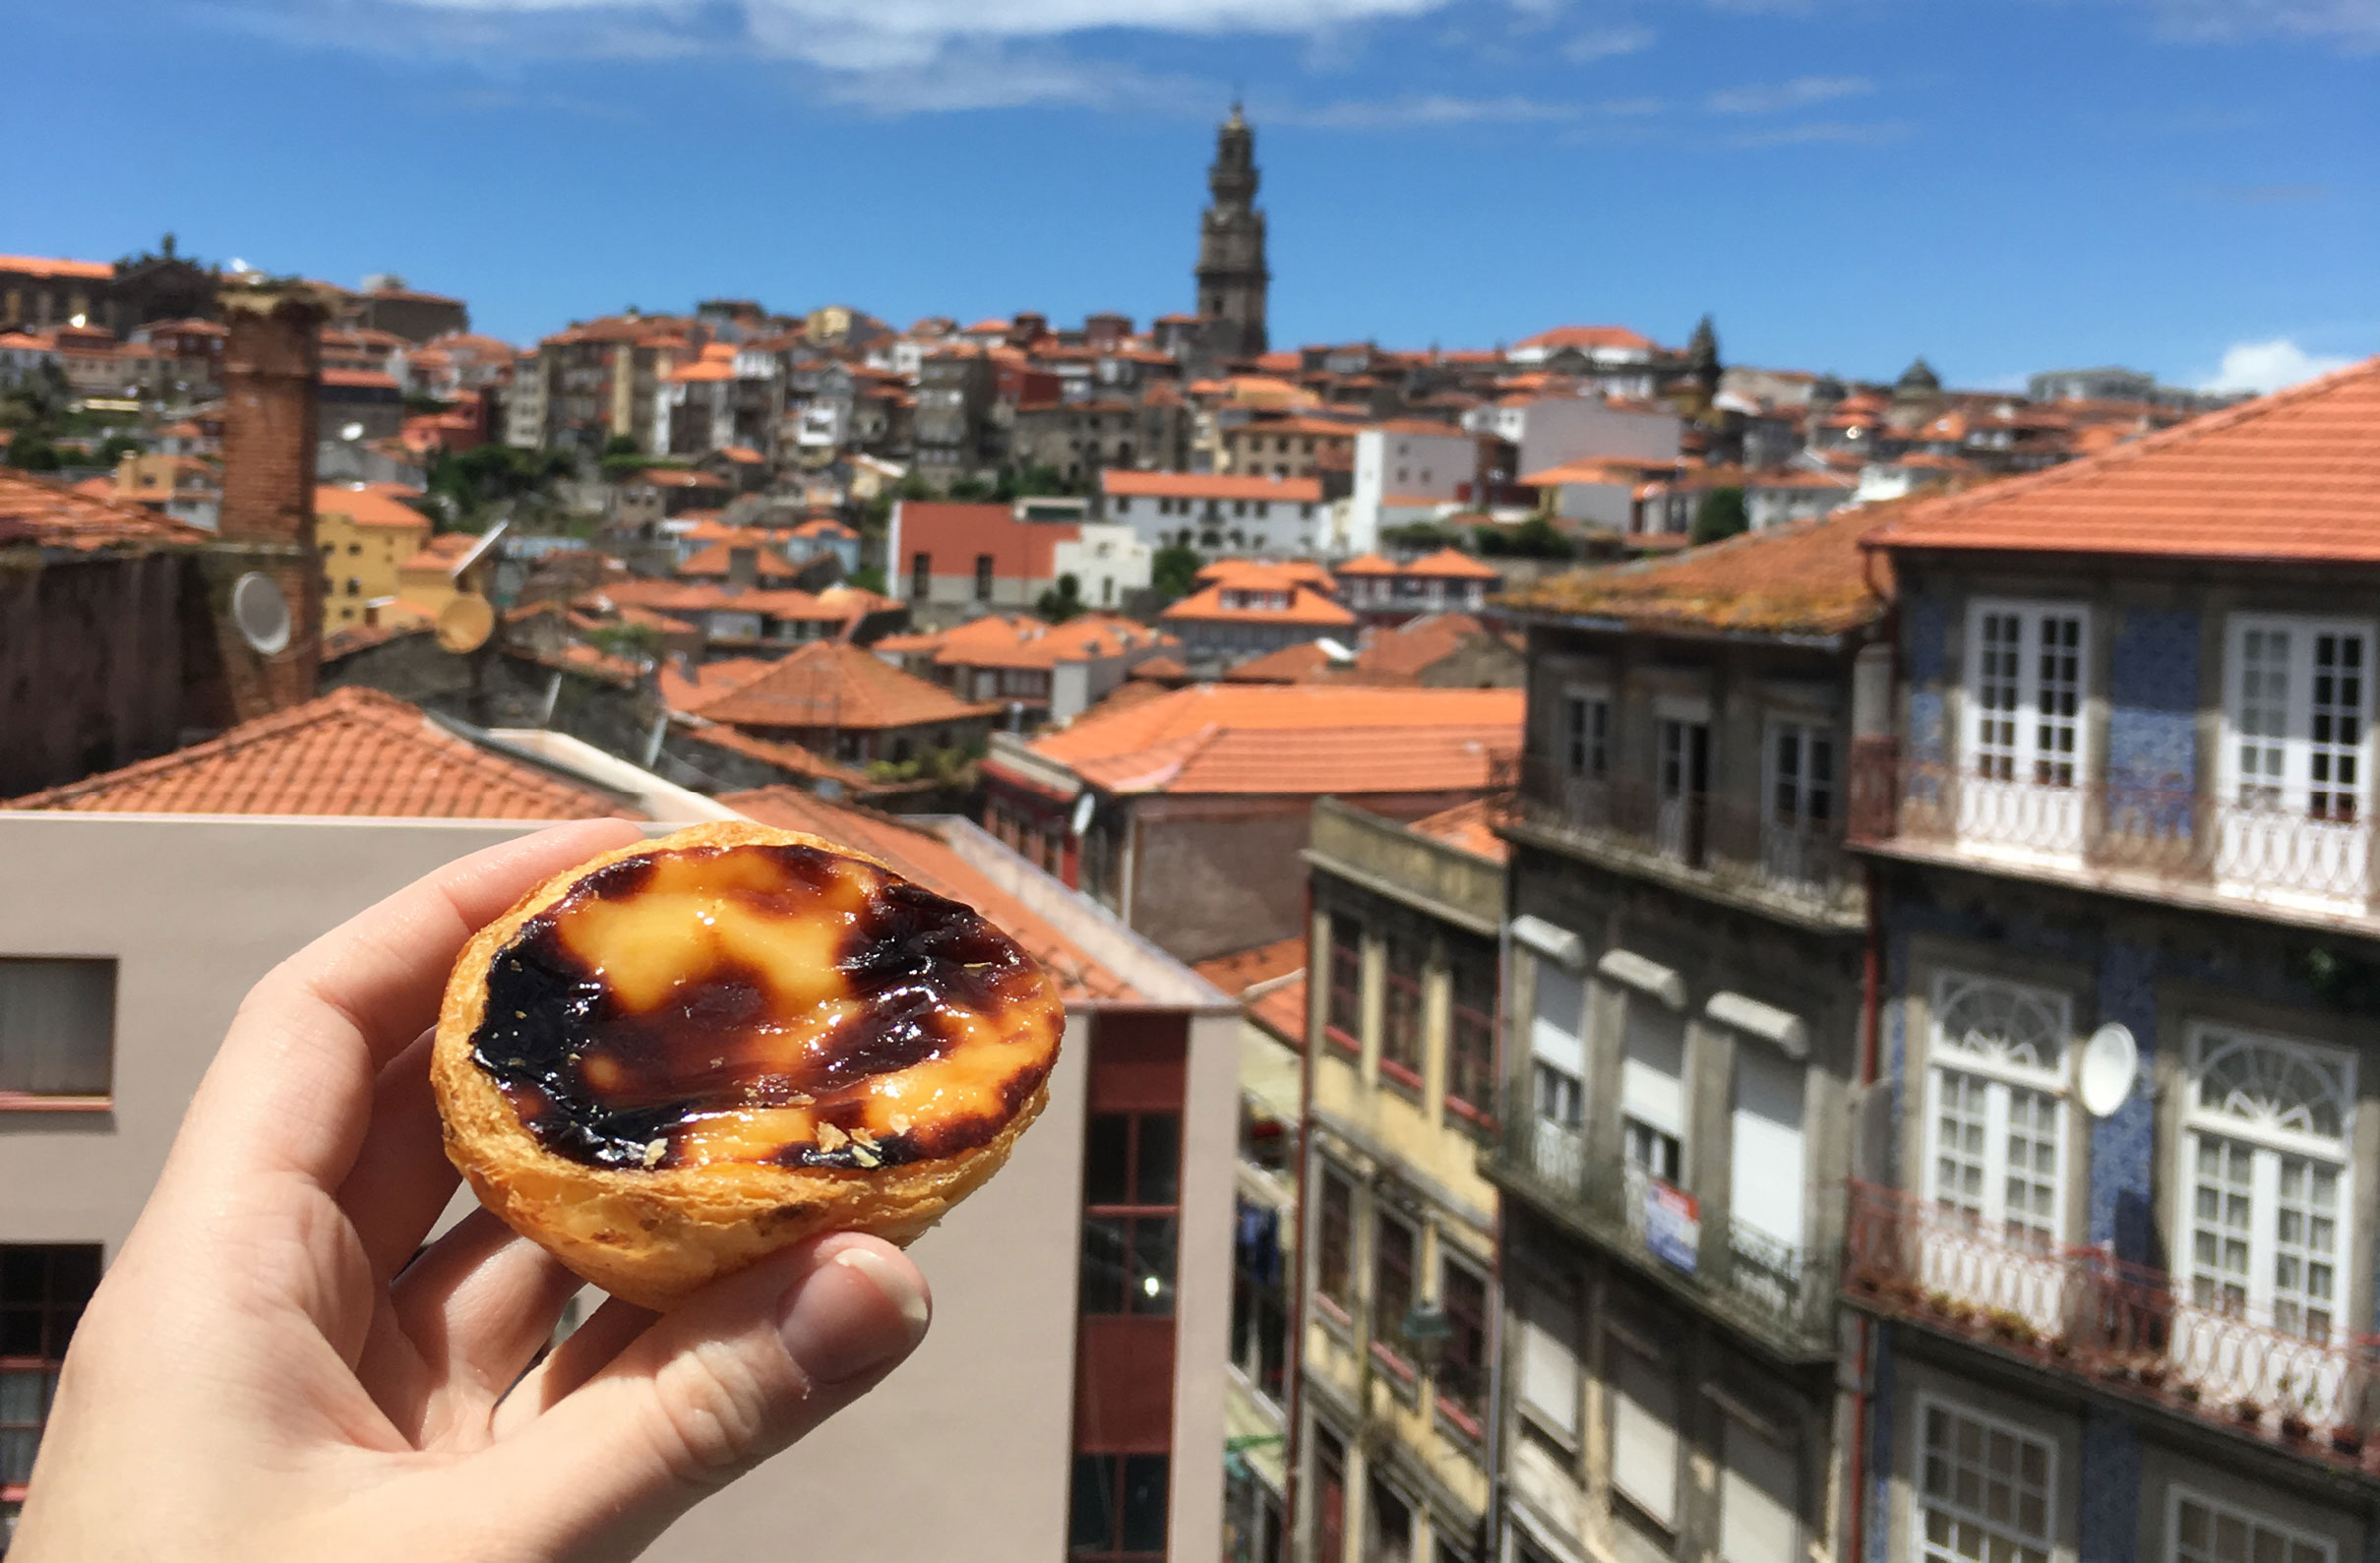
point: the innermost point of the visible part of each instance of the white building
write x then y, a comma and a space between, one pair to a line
1220, 515
1107, 559
1553, 430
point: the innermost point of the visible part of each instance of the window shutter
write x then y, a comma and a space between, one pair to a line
1768, 1168
1756, 1498
1558, 1028
1548, 1376
1644, 1435
1652, 1079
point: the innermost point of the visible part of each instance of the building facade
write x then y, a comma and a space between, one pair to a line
1231, 279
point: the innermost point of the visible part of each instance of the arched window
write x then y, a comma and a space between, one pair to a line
2267, 1166
1996, 1117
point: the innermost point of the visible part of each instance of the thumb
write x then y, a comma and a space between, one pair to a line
747, 1366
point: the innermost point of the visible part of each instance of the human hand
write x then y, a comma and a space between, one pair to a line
268, 1373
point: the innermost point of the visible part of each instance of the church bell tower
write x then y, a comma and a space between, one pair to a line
1230, 274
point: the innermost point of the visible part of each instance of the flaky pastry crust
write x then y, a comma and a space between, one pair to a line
653, 1238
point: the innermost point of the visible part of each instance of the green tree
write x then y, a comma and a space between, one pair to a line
1061, 601
29, 452
1173, 571
1719, 515
621, 445
1041, 482
972, 491
1418, 536
1534, 538
114, 449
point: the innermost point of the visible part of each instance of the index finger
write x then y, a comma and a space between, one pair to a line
291, 1088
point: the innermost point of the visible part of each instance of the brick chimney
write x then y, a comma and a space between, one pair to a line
272, 361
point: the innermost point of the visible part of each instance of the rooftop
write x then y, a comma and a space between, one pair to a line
34, 510
1242, 970
1305, 605
832, 684
353, 752
1209, 486
2290, 476
1467, 826
1294, 739
1807, 578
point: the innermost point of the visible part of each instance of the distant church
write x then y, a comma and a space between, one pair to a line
1231, 249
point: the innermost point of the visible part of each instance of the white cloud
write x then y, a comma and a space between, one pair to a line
1605, 43
1776, 96
1826, 132
1428, 109
2269, 366
2353, 24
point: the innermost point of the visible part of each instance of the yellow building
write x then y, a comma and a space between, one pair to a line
1400, 1228
366, 533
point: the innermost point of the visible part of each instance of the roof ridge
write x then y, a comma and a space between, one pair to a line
231, 740
2083, 469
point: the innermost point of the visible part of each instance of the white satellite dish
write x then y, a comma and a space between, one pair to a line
2111, 1068
1082, 814
261, 613
351, 431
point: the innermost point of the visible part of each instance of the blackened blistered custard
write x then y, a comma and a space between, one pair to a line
761, 1004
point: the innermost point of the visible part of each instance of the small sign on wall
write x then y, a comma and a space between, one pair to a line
1673, 1225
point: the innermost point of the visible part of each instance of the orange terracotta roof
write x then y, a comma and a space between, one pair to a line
1586, 337
1019, 640
1809, 578
1291, 664
359, 378
1242, 970
742, 455
46, 514
1468, 826
366, 505
954, 535
1282, 1011
1305, 607
1292, 738
2290, 476
1275, 573
713, 562
685, 688
45, 265
791, 758
1421, 426
834, 683
1367, 564
919, 855
1451, 563
1210, 486
354, 752
1401, 655
1160, 667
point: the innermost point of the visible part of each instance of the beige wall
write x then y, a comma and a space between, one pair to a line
963, 1454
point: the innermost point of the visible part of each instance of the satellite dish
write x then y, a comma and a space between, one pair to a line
2111, 1068
465, 624
351, 431
261, 613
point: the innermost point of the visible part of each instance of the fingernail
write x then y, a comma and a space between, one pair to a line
852, 1315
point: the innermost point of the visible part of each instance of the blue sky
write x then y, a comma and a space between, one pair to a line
2003, 185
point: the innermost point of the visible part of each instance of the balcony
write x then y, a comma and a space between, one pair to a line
1780, 1294
1701, 841
2081, 1311
2304, 861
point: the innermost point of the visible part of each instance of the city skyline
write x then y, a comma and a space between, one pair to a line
1838, 185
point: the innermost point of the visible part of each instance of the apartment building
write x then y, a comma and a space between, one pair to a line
1221, 515
1184, 812
1038, 672
2117, 1256
1081, 1300
1382, 591
1244, 608
949, 561
1687, 940
1398, 1288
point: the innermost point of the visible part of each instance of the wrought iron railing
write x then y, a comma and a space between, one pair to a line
1731, 842
1759, 1279
2314, 852
2081, 1311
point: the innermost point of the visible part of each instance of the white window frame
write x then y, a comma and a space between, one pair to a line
1773, 780
2032, 799
2269, 1143
2177, 1493
2295, 780
2045, 1541
2001, 1075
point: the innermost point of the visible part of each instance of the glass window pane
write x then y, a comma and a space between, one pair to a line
1105, 1159
1160, 1160
1153, 1239
1144, 1490
1093, 1528
1103, 1263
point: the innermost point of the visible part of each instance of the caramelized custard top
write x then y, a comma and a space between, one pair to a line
763, 1003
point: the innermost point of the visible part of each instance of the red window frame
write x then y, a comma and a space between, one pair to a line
1462, 1374
1396, 1248
43, 1289
1401, 1015
1471, 1038
1330, 1495
1343, 1008
1334, 1242
1144, 1221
